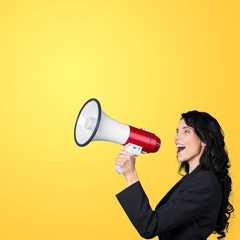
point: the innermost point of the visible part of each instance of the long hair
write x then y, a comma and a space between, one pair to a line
215, 158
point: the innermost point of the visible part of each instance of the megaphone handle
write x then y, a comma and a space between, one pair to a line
131, 148
118, 169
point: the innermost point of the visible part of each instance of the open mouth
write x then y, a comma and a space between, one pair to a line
180, 148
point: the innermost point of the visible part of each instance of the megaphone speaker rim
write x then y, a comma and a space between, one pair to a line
97, 123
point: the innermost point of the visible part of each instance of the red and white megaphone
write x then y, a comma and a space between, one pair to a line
93, 124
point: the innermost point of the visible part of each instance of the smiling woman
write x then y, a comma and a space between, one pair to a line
198, 204
190, 147
214, 158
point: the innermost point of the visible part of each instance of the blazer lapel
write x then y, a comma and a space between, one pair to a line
167, 196
171, 191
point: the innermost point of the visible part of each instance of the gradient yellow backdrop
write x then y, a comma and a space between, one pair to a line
147, 62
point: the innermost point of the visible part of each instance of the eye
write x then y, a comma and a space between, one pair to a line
187, 130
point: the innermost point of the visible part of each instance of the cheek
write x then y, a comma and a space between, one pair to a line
196, 147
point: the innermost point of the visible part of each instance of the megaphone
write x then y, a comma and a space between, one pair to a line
93, 124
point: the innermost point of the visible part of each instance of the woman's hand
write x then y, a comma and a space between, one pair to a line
127, 162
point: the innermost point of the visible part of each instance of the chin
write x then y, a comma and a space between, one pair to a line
180, 160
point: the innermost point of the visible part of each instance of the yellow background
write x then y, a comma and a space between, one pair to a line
146, 62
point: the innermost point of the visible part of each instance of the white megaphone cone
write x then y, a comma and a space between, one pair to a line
93, 124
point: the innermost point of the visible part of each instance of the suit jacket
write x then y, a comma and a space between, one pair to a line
189, 211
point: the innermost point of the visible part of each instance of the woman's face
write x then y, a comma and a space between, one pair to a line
189, 145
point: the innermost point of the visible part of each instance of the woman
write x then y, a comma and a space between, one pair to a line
198, 204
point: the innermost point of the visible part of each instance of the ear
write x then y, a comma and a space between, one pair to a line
203, 144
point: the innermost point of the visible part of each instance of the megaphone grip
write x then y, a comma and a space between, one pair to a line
118, 169
148, 141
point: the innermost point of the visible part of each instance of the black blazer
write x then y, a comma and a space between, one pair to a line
189, 211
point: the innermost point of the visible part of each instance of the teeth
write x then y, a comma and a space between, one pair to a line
180, 145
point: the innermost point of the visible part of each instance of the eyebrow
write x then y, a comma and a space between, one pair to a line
184, 128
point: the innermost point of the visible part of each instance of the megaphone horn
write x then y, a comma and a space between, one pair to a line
93, 124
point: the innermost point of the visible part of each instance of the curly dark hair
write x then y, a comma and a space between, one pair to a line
215, 157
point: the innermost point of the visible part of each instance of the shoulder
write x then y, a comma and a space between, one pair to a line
202, 179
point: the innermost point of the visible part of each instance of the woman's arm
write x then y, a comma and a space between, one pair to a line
197, 196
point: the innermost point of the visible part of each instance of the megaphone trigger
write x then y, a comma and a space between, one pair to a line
133, 148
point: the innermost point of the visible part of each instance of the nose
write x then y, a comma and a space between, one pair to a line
176, 137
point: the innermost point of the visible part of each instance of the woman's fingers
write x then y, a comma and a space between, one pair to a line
126, 161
